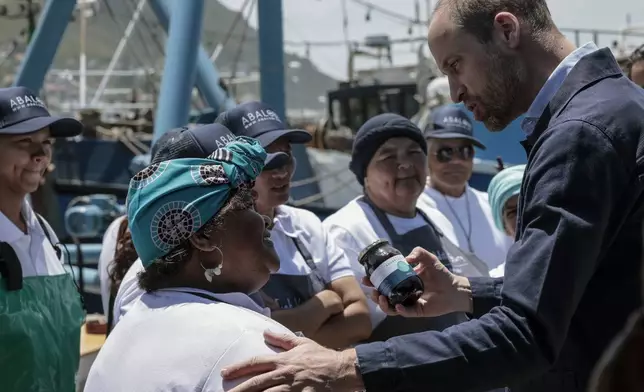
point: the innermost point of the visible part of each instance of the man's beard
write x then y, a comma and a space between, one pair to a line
501, 95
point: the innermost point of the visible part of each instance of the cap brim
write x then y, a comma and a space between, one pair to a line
448, 135
58, 126
276, 160
294, 136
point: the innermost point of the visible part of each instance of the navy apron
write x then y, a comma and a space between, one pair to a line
431, 239
291, 291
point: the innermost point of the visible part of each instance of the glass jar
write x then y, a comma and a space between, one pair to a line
390, 273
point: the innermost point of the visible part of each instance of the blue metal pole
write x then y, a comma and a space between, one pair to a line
272, 83
179, 71
44, 43
207, 80
271, 54
208, 84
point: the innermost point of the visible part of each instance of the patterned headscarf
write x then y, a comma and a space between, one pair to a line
168, 202
504, 185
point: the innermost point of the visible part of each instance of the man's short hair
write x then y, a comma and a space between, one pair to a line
477, 16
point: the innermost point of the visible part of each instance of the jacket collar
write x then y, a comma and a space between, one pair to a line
552, 85
592, 68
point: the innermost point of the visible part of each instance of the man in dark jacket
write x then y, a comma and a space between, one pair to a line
572, 277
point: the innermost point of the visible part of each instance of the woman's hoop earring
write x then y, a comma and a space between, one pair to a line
209, 273
217, 270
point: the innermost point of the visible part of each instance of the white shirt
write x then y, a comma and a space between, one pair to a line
36, 254
552, 85
108, 250
172, 340
330, 260
488, 243
129, 292
355, 226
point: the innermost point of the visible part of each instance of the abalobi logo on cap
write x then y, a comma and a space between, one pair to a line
452, 121
223, 140
252, 118
11, 109
25, 101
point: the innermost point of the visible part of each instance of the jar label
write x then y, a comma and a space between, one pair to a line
390, 273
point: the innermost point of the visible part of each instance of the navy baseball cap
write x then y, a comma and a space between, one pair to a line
259, 121
200, 142
451, 122
22, 112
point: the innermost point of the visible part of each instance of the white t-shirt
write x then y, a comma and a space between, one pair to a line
108, 250
488, 243
176, 341
330, 260
355, 226
36, 254
129, 292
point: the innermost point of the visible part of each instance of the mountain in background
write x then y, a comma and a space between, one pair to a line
306, 86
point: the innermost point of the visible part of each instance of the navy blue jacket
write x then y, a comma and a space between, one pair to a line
571, 279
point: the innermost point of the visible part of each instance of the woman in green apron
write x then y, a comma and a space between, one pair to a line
40, 309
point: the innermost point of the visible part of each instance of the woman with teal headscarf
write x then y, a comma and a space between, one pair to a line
503, 195
205, 250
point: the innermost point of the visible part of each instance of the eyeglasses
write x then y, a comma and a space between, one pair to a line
446, 154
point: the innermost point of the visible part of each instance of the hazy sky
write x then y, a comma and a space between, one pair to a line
321, 20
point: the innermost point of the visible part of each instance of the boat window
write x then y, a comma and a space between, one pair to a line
393, 102
355, 116
410, 105
372, 104
337, 115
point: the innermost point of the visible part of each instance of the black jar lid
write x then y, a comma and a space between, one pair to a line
370, 247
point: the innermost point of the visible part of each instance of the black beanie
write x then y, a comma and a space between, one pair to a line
374, 133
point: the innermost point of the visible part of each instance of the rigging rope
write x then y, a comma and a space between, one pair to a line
240, 47
125, 136
391, 14
134, 53
152, 30
9, 55
238, 16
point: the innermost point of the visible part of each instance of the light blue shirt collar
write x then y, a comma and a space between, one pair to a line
552, 85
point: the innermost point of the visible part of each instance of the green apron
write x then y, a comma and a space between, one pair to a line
39, 332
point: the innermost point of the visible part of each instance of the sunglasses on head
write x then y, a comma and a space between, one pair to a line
446, 154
